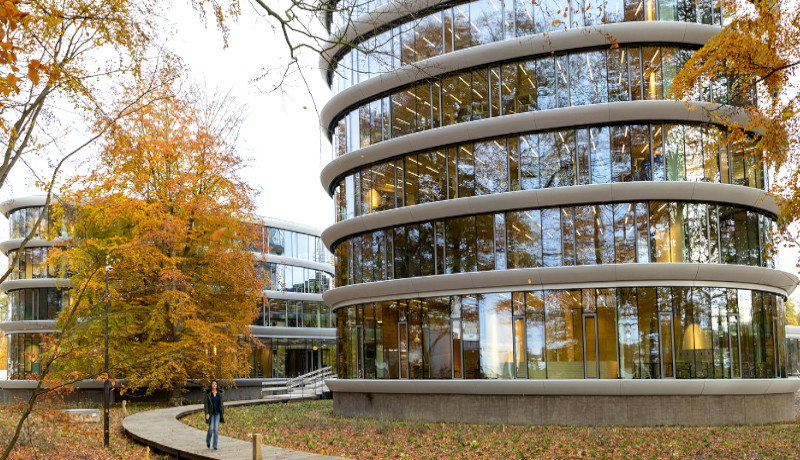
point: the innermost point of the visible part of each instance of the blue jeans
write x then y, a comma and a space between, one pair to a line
213, 427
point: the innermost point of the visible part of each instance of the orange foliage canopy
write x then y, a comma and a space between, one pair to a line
756, 53
166, 207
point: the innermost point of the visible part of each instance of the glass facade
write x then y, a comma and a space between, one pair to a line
608, 333
592, 234
286, 243
460, 26
290, 357
293, 313
793, 356
287, 358
555, 158
290, 278
613, 331
36, 303
21, 222
24, 355
627, 73
32, 263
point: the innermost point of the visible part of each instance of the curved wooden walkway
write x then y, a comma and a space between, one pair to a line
162, 430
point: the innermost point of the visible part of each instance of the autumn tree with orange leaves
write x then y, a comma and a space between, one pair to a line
165, 208
751, 66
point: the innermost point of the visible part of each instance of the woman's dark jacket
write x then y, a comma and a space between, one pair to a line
208, 406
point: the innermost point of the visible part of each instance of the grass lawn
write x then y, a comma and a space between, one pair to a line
312, 427
47, 436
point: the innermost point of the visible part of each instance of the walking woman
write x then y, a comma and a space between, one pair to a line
214, 408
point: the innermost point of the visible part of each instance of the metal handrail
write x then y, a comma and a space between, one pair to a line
315, 380
321, 373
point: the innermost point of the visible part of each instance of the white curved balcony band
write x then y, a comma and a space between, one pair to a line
793, 332
681, 32
367, 24
22, 202
28, 326
520, 123
517, 48
572, 277
593, 387
291, 226
556, 196
10, 245
310, 264
12, 285
275, 332
285, 295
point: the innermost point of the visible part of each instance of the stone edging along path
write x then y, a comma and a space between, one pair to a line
163, 430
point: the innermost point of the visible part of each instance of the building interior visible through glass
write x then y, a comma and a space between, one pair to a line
627, 232
480, 22
292, 357
557, 158
628, 73
609, 333
793, 356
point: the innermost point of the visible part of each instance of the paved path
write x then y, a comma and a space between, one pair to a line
162, 430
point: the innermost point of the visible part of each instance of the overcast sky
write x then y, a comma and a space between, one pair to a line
281, 134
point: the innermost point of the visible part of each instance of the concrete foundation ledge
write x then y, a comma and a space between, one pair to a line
585, 402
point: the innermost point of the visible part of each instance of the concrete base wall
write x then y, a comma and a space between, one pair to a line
570, 409
245, 389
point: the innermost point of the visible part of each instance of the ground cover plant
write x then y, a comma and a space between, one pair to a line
47, 435
311, 426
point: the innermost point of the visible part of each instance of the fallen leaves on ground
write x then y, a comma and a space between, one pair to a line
312, 427
46, 435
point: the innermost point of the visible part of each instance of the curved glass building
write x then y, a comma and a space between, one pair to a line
295, 327
36, 292
529, 231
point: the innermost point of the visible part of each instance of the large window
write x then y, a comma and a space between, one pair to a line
630, 72
289, 278
37, 303
609, 333
486, 21
574, 156
24, 356
293, 313
31, 263
22, 221
625, 232
297, 245
286, 358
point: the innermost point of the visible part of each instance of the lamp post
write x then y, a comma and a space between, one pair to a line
105, 384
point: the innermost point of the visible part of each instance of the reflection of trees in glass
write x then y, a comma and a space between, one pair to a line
491, 171
630, 326
485, 242
460, 245
626, 232
564, 335
496, 348
534, 84
524, 239
436, 332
